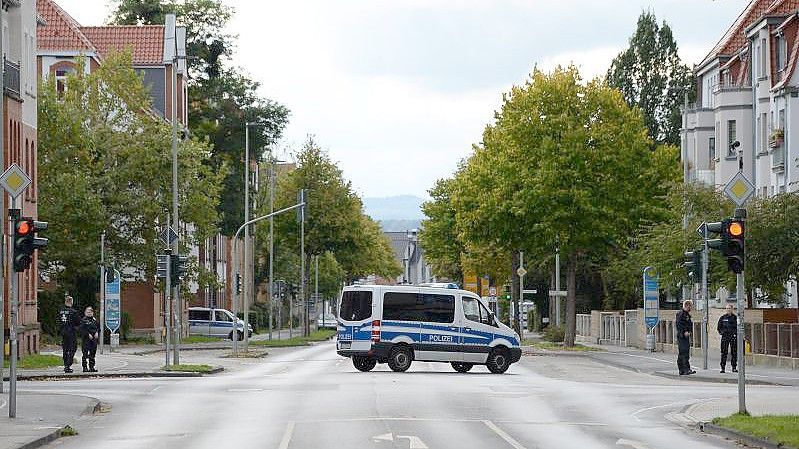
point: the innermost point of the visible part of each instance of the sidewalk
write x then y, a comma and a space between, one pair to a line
40, 418
664, 364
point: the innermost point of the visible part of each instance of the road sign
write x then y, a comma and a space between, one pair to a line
563, 293
113, 304
651, 297
14, 180
702, 230
168, 236
492, 291
521, 272
739, 189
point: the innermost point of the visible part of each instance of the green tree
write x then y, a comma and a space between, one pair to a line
438, 236
772, 244
104, 164
651, 76
221, 98
565, 159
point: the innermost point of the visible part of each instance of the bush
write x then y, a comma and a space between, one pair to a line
554, 334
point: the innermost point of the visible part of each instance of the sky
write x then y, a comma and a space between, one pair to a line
398, 91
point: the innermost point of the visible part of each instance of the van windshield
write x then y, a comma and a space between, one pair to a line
356, 305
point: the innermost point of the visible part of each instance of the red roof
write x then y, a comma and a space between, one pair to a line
145, 42
63, 33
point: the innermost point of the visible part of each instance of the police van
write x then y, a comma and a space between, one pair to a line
400, 324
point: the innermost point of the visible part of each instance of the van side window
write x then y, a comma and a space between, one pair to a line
485, 316
221, 316
471, 309
200, 315
356, 306
419, 307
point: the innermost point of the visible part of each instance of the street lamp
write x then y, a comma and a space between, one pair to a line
272, 163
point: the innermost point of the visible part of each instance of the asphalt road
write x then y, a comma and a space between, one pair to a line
311, 398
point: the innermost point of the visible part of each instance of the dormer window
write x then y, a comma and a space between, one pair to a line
781, 55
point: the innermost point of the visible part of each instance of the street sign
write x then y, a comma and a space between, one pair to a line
651, 297
702, 230
739, 189
168, 236
162, 266
113, 304
563, 293
521, 272
492, 291
14, 180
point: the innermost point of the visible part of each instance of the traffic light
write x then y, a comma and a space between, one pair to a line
26, 242
178, 268
238, 283
506, 292
735, 253
693, 264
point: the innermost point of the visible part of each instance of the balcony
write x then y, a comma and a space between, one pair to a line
778, 160
11, 79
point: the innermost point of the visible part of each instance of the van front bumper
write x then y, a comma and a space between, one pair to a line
378, 351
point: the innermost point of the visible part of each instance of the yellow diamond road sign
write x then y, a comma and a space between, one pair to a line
739, 189
14, 180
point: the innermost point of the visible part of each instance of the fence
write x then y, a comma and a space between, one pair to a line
612, 328
583, 324
777, 339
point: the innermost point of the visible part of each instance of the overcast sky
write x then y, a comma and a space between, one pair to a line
398, 91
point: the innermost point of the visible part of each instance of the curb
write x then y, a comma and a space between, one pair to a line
715, 380
742, 438
116, 375
56, 434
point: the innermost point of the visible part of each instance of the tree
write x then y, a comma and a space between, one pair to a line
772, 244
438, 235
105, 164
650, 75
565, 159
221, 98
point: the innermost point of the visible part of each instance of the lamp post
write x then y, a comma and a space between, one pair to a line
246, 290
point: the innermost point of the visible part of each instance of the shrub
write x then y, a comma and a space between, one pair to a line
554, 334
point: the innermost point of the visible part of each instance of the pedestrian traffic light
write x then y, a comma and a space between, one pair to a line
735, 253
178, 267
693, 264
26, 242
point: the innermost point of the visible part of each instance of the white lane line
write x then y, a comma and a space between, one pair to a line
154, 389
631, 443
646, 409
284, 443
502, 434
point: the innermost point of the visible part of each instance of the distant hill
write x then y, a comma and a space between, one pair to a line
402, 207
399, 225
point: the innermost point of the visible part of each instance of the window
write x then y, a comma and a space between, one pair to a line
782, 119
356, 306
762, 66
731, 137
762, 124
61, 81
419, 307
782, 52
711, 148
220, 315
203, 315
471, 309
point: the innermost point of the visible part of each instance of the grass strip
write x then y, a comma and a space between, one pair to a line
189, 368
319, 335
37, 361
779, 429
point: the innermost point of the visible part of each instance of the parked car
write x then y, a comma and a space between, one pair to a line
215, 323
326, 321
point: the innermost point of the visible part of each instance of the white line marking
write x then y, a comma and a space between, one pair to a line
646, 409
154, 389
502, 434
635, 444
284, 443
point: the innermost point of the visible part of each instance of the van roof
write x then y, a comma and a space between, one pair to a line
400, 288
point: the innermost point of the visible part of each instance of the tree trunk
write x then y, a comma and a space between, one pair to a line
571, 301
514, 294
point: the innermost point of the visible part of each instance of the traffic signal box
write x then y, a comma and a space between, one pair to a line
730, 243
693, 264
26, 242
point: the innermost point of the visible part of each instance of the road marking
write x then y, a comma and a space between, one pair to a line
244, 390
631, 443
154, 389
502, 434
646, 409
384, 437
413, 441
284, 443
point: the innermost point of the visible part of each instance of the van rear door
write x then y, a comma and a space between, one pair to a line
355, 319
199, 321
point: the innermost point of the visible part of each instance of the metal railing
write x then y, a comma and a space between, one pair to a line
583, 328
777, 339
612, 328
11, 78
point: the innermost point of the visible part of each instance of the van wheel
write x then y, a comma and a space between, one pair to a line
400, 359
462, 367
239, 334
498, 361
364, 363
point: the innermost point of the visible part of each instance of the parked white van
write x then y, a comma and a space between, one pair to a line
215, 323
399, 324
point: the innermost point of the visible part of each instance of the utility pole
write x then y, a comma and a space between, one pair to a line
176, 244
306, 326
706, 318
167, 305
316, 286
14, 215
272, 245
739, 296
557, 281
4, 246
102, 291
246, 262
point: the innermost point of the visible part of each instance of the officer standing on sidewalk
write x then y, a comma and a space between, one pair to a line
684, 327
728, 329
90, 331
69, 320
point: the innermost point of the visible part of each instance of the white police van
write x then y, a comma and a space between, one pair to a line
399, 324
215, 323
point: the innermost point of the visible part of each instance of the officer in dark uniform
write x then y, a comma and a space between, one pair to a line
684, 327
68, 319
728, 329
90, 333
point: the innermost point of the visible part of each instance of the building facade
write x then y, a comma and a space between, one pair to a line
19, 24
407, 251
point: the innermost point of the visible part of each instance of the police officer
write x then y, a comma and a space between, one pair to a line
728, 329
68, 321
684, 329
90, 333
